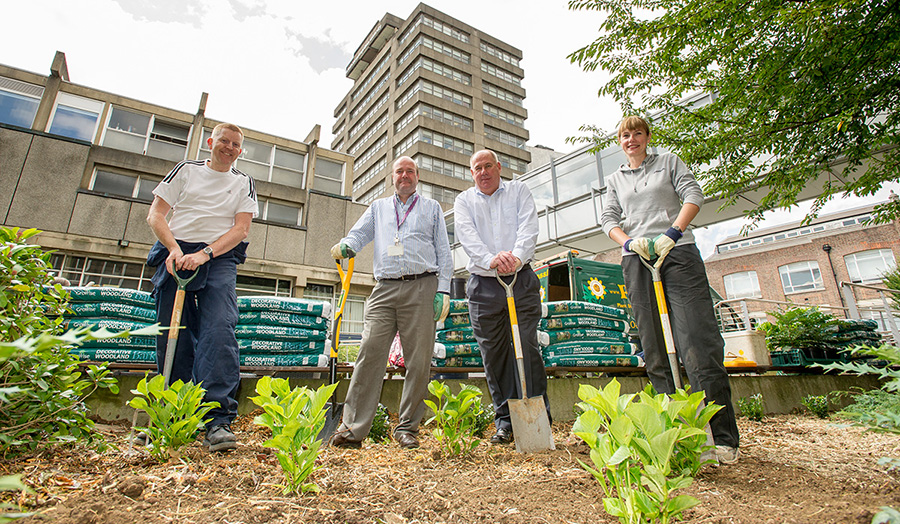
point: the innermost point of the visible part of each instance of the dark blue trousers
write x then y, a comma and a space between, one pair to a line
489, 316
207, 351
698, 343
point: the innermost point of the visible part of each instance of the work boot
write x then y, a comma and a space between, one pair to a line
220, 438
727, 454
502, 436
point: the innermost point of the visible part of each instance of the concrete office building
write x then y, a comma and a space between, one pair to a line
436, 89
80, 164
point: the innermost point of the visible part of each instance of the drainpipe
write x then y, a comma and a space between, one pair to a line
827, 249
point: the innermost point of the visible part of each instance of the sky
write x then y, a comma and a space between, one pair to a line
278, 66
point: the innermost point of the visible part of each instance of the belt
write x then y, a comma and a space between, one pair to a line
412, 277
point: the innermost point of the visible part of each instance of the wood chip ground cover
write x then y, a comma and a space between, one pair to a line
793, 469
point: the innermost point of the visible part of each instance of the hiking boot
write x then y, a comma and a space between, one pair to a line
220, 438
727, 454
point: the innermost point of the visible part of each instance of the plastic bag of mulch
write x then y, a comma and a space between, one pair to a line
318, 361
581, 321
458, 362
304, 347
546, 338
110, 324
590, 348
578, 361
454, 321
447, 350
458, 305
288, 334
144, 343
131, 356
112, 294
455, 335
576, 307
280, 318
111, 310
300, 306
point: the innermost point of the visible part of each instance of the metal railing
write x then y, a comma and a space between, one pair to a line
887, 314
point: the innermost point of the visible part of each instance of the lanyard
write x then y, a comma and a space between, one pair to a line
408, 211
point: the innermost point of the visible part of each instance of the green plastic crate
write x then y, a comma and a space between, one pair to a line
804, 357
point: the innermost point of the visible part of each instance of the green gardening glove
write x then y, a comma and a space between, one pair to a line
341, 251
441, 306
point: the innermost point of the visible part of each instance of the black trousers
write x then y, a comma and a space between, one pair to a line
489, 316
698, 343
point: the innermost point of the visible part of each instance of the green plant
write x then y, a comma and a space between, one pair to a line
817, 404
752, 407
176, 414
887, 515
381, 425
891, 280
11, 483
295, 417
876, 410
650, 448
483, 419
455, 417
798, 328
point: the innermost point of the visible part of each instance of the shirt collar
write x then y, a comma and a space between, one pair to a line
503, 184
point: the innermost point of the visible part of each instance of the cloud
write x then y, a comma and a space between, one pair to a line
243, 12
323, 52
189, 12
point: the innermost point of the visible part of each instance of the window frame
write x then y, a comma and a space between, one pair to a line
818, 284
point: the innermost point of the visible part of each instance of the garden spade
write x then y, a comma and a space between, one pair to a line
335, 410
530, 423
174, 328
710, 453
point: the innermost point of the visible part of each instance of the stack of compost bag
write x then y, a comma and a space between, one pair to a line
582, 334
277, 331
115, 309
455, 344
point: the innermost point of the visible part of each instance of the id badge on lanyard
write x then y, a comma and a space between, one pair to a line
396, 250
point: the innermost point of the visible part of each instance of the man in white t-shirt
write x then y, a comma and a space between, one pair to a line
212, 205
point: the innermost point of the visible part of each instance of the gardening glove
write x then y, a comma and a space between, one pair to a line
642, 246
341, 251
664, 243
441, 306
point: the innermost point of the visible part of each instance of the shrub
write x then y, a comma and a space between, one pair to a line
876, 410
798, 328
295, 417
176, 414
455, 417
649, 448
483, 419
381, 425
752, 407
817, 404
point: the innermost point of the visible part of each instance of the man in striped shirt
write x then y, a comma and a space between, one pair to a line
212, 205
413, 267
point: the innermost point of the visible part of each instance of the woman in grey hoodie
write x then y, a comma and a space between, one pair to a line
650, 202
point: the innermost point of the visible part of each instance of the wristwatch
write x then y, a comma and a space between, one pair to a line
678, 228
208, 251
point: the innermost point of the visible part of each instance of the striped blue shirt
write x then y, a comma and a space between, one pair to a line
423, 235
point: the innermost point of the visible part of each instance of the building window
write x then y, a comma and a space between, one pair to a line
265, 162
81, 271
370, 174
131, 186
504, 115
502, 94
146, 135
443, 167
499, 54
280, 213
19, 102
248, 285
868, 267
430, 137
354, 309
741, 285
369, 134
441, 194
513, 164
504, 138
801, 276
75, 117
369, 196
329, 176
500, 73
371, 152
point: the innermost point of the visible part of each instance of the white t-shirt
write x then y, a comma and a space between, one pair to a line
204, 201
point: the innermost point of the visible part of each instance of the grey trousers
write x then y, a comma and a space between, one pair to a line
489, 315
407, 307
697, 339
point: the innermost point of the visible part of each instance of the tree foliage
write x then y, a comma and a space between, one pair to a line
802, 90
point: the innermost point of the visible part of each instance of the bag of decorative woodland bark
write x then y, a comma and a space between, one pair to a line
547, 338
577, 307
296, 347
581, 321
301, 306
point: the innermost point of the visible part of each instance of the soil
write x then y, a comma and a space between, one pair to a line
793, 469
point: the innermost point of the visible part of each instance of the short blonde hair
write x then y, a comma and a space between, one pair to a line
225, 125
633, 123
